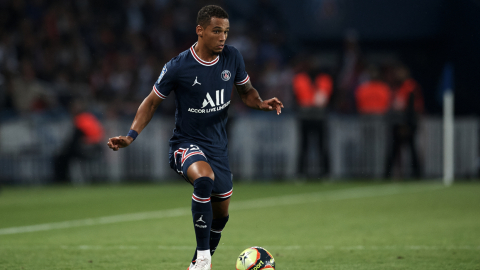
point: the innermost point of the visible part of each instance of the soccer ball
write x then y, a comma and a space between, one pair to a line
255, 258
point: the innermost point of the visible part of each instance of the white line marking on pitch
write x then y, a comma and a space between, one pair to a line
334, 195
95, 221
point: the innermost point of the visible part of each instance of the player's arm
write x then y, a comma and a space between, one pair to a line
142, 118
252, 99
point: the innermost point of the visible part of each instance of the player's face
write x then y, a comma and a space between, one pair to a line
215, 35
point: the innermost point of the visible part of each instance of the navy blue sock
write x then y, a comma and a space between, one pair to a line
215, 234
202, 211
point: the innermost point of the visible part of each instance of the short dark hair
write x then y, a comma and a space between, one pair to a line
206, 14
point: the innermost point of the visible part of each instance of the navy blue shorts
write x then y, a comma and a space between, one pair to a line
182, 155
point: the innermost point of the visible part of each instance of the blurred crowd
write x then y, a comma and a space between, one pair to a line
358, 84
109, 53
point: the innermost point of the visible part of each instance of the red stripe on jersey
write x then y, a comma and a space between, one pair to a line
160, 95
244, 81
211, 63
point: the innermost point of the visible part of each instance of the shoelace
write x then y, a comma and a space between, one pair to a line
200, 263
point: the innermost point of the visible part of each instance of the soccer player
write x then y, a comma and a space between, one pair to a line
202, 78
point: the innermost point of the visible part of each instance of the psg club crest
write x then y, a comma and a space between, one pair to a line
226, 75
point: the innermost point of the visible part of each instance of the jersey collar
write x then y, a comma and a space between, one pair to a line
205, 63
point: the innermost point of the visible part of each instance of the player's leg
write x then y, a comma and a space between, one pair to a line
221, 194
220, 219
201, 175
189, 161
220, 198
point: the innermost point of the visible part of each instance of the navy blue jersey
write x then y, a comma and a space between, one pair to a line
202, 96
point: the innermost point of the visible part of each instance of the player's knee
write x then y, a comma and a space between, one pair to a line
207, 173
221, 215
198, 170
202, 187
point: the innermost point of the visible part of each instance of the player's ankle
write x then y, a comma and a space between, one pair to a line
204, 253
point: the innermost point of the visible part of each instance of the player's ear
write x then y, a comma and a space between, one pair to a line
199, 30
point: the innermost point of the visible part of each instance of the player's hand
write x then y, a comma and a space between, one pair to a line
272, 104
118, 142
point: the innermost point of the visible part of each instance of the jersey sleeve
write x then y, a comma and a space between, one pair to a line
241, 77
165, 82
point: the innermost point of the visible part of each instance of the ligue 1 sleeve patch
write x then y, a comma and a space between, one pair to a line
164, 70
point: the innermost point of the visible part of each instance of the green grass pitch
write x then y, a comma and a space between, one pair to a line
304, 225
